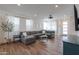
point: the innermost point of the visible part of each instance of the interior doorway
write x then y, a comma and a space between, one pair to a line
65, 27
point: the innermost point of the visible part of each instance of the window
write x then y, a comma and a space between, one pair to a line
46, 25
29, 24
65, 27
49, 25
15, 21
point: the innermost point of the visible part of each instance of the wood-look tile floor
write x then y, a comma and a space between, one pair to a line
43, 47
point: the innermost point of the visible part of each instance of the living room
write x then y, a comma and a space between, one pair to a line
34, 29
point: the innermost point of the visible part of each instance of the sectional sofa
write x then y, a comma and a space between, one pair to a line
28, 37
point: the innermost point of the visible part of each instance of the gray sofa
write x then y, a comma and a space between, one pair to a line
32, 36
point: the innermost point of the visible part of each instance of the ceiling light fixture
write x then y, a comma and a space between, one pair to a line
50, 16
19, 4
56, 6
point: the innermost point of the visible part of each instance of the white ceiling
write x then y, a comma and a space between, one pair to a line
31, 10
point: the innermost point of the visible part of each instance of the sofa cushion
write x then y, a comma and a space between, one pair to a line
43, 32
24, 33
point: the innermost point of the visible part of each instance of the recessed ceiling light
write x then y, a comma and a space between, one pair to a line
56, 6
19, 4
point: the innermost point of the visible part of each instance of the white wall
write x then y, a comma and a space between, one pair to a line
36, 26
